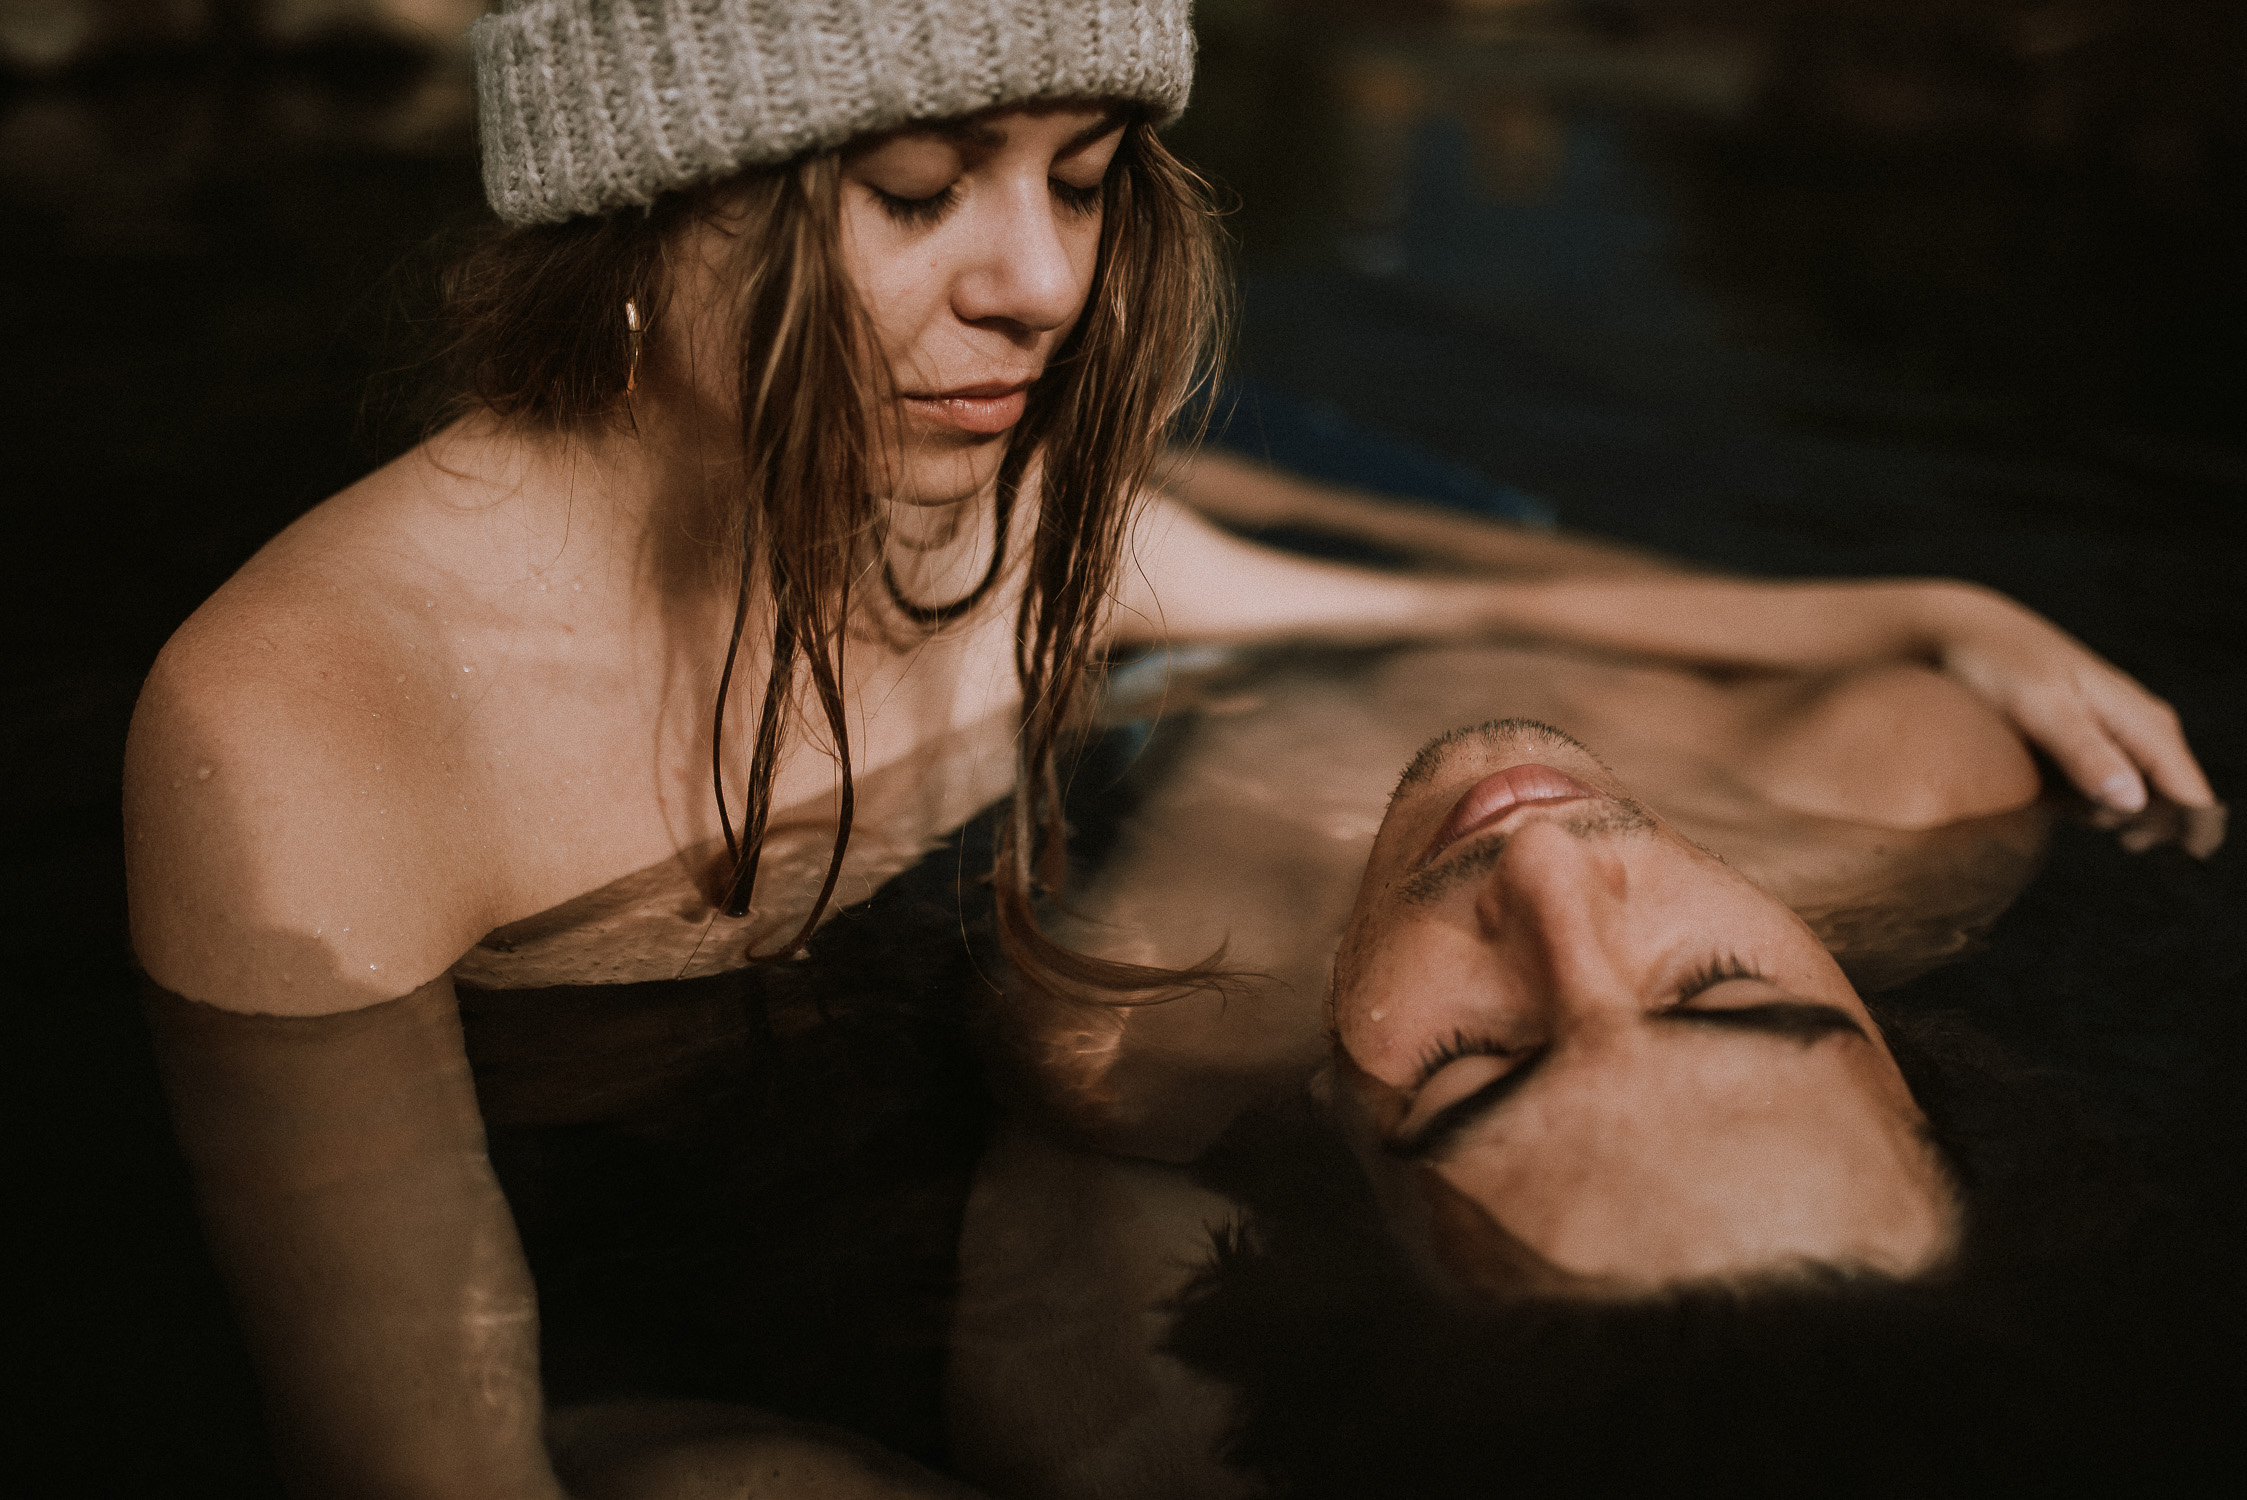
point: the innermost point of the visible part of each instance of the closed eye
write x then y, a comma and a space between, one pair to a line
1713, 972
1441, 1130
917, 213
1460, 1044
1081, 201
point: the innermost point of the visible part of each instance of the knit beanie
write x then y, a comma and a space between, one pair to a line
589, 105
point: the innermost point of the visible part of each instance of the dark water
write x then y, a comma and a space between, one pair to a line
1836, 289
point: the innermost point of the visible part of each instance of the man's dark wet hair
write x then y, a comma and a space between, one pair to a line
1353, 1377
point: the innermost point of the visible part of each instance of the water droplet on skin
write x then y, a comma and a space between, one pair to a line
1379, 1015
468, 669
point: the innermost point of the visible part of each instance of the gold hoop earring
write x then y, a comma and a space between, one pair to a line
633, 329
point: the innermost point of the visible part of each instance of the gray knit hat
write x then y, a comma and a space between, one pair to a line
589, 105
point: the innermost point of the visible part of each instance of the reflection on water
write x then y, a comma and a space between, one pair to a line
1831, 286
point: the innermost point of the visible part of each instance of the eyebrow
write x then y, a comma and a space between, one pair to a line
980, 132
1799, 1021
1433, 1139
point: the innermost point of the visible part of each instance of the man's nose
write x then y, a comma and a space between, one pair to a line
1022, 279
1559, 904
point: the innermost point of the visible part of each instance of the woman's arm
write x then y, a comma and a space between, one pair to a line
1250, 496
1189, 580
340, 1171
292, 854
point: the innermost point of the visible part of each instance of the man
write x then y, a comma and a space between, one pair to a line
1584, 1048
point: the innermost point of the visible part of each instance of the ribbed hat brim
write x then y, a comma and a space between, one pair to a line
590, 105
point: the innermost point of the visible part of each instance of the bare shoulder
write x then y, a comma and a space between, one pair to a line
298, 839
1895, 746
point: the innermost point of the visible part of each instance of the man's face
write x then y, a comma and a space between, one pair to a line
1599, 1035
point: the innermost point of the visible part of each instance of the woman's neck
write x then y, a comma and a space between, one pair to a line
636, 518
645, 512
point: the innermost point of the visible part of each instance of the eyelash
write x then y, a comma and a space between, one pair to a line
919, 213
1459, 1045
1712, 973
1082, 201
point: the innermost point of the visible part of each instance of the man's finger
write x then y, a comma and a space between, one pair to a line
2199, 831
2204, 829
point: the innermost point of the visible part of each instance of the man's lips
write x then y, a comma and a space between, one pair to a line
1501, 792
992, 407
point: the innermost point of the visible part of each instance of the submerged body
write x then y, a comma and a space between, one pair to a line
1892, 809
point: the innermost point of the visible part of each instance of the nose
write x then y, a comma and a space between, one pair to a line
1558, 907
1024, 282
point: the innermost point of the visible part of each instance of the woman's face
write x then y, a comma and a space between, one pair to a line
973, 246
1552, 1006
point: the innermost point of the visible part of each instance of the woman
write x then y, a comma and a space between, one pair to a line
813, 395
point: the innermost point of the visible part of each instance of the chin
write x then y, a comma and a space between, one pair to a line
963, 473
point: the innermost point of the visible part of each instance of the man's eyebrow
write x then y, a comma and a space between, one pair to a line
1803, 1021
1456, 1119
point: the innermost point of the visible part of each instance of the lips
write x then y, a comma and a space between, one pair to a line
1501, 792
992, 407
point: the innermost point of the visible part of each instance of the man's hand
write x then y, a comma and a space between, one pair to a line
2120, 745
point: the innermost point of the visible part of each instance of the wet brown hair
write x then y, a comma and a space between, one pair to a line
1350, 1372
537, 336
